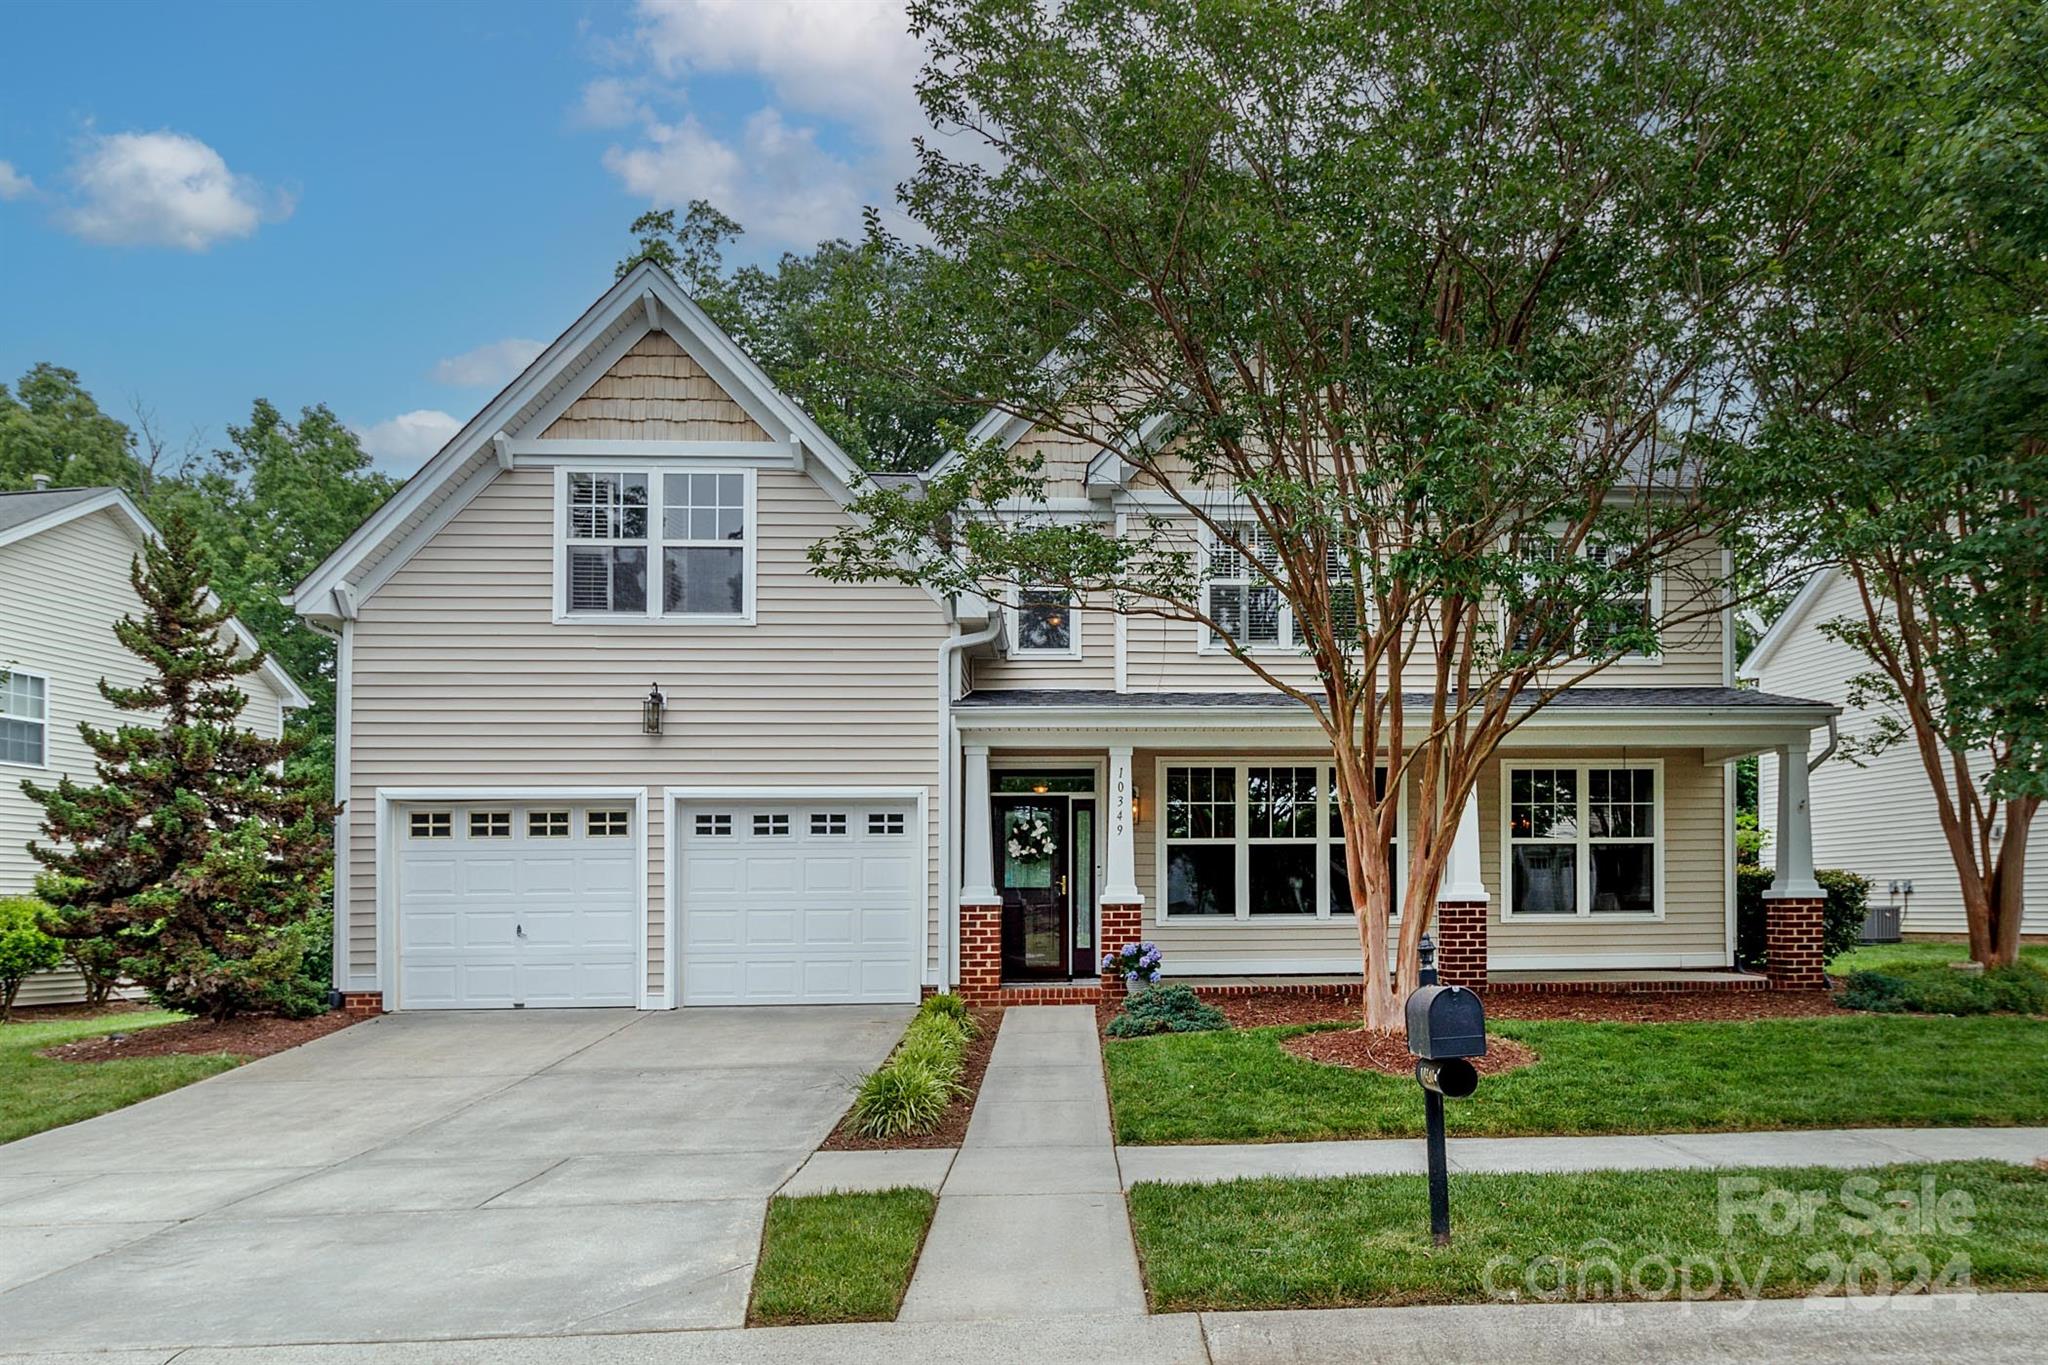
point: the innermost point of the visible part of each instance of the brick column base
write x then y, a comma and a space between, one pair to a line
362, 1004
1794, 959
1121, 925
1461, 943
981, 952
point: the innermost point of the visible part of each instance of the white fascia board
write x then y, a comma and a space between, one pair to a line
1788, 622
1004, 428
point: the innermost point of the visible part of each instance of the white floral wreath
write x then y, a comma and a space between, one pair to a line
1031, 839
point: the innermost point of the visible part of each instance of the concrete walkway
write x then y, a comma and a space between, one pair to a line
1031, 1222
1837, 1147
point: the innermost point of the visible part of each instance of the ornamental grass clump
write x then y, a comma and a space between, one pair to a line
910, 1093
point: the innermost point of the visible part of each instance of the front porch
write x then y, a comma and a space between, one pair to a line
1595, 855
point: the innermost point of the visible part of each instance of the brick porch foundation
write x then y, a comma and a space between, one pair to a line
1794, 959
1461, 943
981, 952
1121, 925
362, 1004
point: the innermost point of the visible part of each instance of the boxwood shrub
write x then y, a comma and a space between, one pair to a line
1938, 988
1841, 923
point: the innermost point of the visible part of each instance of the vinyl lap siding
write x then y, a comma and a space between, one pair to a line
461, 679
1881, 819
68, 636
1096, 668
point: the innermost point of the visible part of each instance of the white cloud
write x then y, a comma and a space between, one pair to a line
774, 178
13, 184
163, 189
408, 439
849, 65
491, 365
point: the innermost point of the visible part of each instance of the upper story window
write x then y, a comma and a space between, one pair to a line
24, 718
1247, 605
1619, 622
697, 539
1045, 622
1582, 840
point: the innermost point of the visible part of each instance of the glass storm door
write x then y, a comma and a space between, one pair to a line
1032, 876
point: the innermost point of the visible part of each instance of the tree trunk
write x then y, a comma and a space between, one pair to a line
7, 1002
2006, 899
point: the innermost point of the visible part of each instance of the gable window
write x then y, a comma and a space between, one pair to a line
24, 718
691, 530
1246, 605
1255, 840
1582, 840
1045, 622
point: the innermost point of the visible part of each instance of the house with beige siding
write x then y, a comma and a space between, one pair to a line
65, 555
607, 739
1873, 814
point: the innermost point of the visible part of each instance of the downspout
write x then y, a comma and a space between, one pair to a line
1834, 743
949, 847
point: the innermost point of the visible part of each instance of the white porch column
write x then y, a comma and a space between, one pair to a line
1462, 883
977, 858
1121, 887
1794, 833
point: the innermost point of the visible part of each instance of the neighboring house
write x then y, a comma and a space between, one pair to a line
1879, 816
65, 555
858, 791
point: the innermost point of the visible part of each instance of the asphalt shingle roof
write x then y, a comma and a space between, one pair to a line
17, 509
1593, 697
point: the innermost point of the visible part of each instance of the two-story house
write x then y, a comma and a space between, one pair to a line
607, 740
65, 556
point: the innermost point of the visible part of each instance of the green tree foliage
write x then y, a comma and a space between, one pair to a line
807, 322
1906, 368
1427, 317
200, 852
269, 508
25, 948
51, 426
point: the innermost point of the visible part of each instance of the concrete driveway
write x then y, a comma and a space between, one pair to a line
432, 1175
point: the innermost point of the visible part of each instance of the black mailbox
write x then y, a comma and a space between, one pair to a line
1445, 1022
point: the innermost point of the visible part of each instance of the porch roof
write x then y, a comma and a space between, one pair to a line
1578, 698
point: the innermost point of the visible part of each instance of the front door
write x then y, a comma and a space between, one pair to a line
1033, 876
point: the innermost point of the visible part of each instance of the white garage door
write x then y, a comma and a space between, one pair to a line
518, 904
800, 902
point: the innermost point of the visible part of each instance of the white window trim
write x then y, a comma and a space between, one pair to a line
1653, 601
1325, 777
1012, 603
1291, 644
1584, 913
653, 471
44, 679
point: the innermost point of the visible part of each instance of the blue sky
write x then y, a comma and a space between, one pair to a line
387, 208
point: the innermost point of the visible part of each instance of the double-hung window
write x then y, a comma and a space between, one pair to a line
1260, 839
1617, 620
1045, 622
1245, 604
1582, 840
693, 530
24, 718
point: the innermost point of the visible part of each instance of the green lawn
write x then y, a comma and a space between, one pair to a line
37, 1093
1365, 1240
838, 1257
1241, 1086
1877, 956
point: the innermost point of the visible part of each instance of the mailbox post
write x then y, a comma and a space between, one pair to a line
1446, 1027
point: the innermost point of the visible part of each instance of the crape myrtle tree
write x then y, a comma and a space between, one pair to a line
1907, 376
200, 853
1420, 316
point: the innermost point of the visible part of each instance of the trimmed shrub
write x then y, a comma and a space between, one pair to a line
1841, 922
25, 948
1165, 1009
900, 1098
1937, 988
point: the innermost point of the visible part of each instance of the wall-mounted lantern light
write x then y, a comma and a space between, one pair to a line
651, 709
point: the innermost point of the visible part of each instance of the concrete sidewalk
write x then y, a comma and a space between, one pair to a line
1837, 1147
1993, 1329
1031, 1221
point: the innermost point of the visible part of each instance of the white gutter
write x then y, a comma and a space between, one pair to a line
949, 854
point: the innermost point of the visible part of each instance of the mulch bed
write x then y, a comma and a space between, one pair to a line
245, 1038
952, 1129
50, 1014
1266, 1011
1387, 1053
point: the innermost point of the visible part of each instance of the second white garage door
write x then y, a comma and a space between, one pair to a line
800, 902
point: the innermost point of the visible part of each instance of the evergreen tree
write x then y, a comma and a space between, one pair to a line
200, 853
